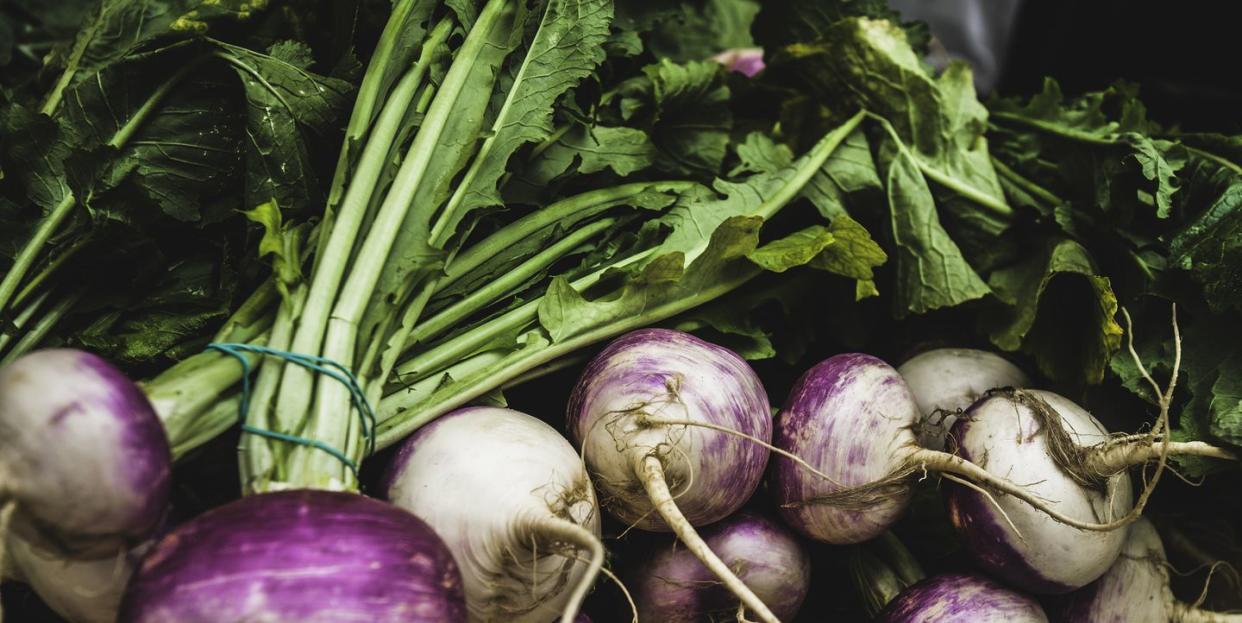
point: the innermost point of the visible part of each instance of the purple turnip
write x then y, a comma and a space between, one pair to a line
675, 432
671, 585
300, 555
945, 381
1135, 589
84, 462
961, 598
513, 502
851, 419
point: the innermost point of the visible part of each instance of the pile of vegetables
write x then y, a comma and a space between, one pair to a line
479, 310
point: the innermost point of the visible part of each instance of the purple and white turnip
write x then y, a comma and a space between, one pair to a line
671, 585
961, 598
944, 381
84, 462
299, 555
1135, 589
513, 502
675, 433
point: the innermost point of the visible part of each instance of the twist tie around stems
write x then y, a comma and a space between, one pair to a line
321, 365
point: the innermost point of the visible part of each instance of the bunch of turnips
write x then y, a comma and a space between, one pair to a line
491, 514
522, 311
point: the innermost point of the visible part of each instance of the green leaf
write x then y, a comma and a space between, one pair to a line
1061, 311
804, 21
282, 242
659, 288
684, 108
796, 249
121, 27
869, 64
931, 271
853, 254
1208, 399
1209, 247
183, 151
691, 32
285, 102
566, 47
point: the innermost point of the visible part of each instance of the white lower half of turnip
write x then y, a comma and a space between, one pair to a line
512, 500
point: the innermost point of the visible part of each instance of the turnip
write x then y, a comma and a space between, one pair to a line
299, 555
84, 462
961, 598
945, 381
513, 502
1135, 589
675, 432
851, 418
671, 585
1018, 433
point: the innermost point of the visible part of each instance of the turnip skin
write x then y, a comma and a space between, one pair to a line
500, 487
1050, 557
945, 381
672, 586
961, 598
1134, 590
850, 416
643, 415
653, 372
82, 454
301, 555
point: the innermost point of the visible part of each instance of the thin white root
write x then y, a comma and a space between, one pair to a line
951, 464
737, 433
741, 614
573, 534
991, 498
624, 591
651, 472
1185, 613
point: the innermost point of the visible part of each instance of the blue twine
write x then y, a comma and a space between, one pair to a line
322, 365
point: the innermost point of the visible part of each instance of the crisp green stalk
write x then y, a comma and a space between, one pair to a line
50, 269
297, 384
566, 212
363, 113
995, 205
399, 414
403, 412
331, 399
1050, 128
51, 223
30, 339
23, 318
506, 283
261, 459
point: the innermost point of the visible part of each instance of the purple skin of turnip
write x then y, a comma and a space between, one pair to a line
961, 598
84, 461
1004, 433
671, 585
517, 510
300, 555
851, 419
945, 381
1135, 589
660, 417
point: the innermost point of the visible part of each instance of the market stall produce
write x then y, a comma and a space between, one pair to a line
536, 310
